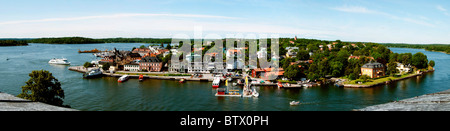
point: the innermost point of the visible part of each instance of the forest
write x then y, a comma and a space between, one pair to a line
12, 43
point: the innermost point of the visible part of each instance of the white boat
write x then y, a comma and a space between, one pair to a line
123, 78
93, 73
62, 61
294, 103
216, 82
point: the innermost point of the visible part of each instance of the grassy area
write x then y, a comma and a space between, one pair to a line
378, 80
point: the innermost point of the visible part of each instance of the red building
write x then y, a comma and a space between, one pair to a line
151, 64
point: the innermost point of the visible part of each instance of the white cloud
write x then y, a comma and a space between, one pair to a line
443, 10
359, 9
354, 9
439, 7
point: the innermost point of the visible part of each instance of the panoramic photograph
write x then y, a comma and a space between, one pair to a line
224, 55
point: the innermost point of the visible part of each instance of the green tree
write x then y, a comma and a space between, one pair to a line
43, 87
392, 68
432, 64
302, 55
87, 64
419, 60
292, 72
106, 66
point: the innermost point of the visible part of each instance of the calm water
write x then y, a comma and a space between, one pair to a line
165, 95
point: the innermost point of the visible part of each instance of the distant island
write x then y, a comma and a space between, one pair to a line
66, 40
12, 43
83, 40
429, 47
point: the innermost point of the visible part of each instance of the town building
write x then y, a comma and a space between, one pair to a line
131, 67
151, 64
373, 69
403, 68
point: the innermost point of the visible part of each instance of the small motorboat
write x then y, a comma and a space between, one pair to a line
123, 78
62, 61
182, 80
294, 103
141, 78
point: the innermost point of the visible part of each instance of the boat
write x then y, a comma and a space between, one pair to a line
227, 92
248, 92
182, 80
123, 78
93, 73
141, 78
216, 82
62, 61
294, 103
279, 85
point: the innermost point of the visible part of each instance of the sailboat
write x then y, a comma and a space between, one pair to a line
248, 92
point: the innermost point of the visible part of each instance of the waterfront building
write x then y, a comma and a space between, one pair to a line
151, 64
131, 67
373, 69
403, 68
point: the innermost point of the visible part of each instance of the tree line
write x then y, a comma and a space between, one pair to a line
12, 43
429, 47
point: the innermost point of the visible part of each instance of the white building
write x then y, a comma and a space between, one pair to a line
131, 67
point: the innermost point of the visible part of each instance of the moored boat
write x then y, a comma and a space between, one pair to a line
216, 82
141, 78
182, 80
123, 78
93, 73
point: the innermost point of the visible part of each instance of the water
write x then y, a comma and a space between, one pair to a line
167, 95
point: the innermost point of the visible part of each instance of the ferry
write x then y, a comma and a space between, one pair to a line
93, 73
62, 61
216, 82
123, 78
141, 78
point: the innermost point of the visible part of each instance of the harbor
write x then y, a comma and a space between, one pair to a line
159, 93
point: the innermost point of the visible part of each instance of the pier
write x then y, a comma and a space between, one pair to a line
148, 75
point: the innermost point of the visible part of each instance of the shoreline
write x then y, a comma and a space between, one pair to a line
384, 82
208, 78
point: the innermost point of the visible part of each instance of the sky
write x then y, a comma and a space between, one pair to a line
381, 21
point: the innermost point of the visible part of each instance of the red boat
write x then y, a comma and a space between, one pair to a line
141, 78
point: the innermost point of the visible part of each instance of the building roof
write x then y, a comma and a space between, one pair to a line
150, 59
372, 65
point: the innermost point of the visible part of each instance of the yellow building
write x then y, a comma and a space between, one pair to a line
373, 70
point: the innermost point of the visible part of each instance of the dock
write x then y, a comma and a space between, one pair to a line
208, 78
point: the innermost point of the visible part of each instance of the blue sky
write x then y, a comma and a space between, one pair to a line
390, 21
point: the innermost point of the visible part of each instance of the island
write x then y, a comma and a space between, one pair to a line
13, 43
